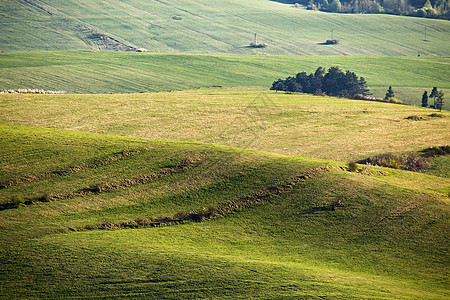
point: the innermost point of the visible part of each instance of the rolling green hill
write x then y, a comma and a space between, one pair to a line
226, 190
119, 72
225, 27
285, 226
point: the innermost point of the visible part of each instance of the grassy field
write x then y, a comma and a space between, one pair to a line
226, 27
119, 72
306, 125
281, 238
195, 181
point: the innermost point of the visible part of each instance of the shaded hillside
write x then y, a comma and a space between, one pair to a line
195, 26
316, 230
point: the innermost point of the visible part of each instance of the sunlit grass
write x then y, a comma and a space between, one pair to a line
312, 126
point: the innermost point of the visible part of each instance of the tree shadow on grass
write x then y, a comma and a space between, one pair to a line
327, 44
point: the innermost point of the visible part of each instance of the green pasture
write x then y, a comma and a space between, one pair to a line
191, 126
120, 72
298, 124
225, 27
387, 239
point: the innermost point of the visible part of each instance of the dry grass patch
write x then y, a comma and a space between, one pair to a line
307, 125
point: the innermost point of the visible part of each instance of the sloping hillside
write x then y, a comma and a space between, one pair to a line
280, 226
119, 72
197, 26
306, 125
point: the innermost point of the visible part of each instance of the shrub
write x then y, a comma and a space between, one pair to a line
106, 224
414, 118
421, 12
334, 6
388, 160
394, 100
409, 162
16, 200
332, 42
91, 227
352, 167
263, 45
435, 115
431, 12
47, 197
205, 213
415, 163
142, 222
377, 8
436, 151
181, 215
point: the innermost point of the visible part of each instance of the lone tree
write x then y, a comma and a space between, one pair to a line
439, 100
389, 93
425, 99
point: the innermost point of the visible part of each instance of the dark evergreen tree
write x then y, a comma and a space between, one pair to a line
439, 100
302, 79
331, 80
293, 85
390, 93
279, 85
425, 99
319, 73
363, 90
433, 95
315, 84
350, 85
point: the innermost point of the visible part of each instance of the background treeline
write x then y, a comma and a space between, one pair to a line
333, 83
418, 8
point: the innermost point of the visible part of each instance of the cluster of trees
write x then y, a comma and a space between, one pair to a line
419, 8
437, 96
333, 83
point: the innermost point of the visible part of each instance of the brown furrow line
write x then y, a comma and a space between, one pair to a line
70, 169
104, 187
214, 211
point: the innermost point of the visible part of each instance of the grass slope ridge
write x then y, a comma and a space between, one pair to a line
375, 244
196, 26
112, 72
307, 125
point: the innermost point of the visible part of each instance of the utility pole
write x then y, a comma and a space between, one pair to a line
425, 33
332, 34
255, 39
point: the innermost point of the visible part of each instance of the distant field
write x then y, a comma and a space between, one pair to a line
113, 72
295, 227
223, 27
306, 125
